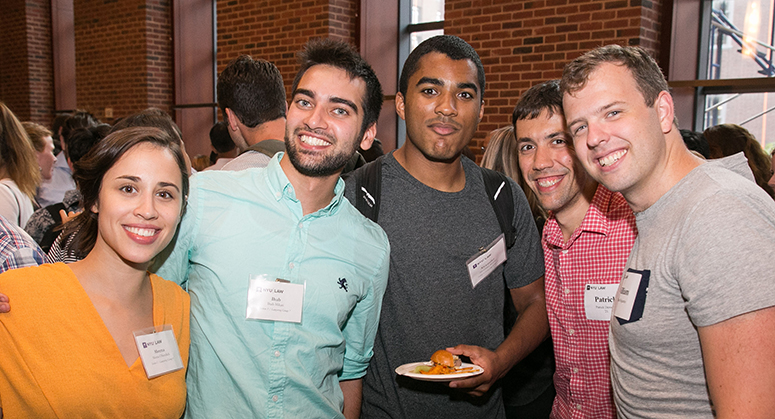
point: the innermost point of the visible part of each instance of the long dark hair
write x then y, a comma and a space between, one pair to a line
90, 170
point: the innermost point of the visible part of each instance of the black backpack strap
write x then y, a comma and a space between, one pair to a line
502, 200
368, 189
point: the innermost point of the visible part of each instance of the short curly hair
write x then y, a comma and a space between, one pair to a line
449, 45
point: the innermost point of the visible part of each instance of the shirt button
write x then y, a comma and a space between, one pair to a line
276, 353
571, 332
565, 251
566, 290
301, 225
278, 194
275, 398
290, 265
578, 406
575, 370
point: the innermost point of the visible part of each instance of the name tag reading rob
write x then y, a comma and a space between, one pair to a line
278, 301
483, 263
158, 350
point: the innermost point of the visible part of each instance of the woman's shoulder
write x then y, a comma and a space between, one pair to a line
50, 271
167, 290
9, 187
36, 282
9, 182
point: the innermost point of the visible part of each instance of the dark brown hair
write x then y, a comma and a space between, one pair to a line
341, 55
541, 97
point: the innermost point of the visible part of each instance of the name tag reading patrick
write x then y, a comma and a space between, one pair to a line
278, 301
158, 350
483, 263
599, 300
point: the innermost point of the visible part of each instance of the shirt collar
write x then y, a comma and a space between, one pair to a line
594, 221
282, 188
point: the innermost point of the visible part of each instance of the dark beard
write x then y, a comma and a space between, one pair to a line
329, 166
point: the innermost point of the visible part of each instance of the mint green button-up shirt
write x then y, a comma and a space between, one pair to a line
245, 223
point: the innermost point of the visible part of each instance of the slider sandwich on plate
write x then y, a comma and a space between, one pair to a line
443, 366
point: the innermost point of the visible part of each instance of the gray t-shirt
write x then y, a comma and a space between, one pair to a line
430, 303
708, 245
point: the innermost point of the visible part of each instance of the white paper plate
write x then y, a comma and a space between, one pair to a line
408, 371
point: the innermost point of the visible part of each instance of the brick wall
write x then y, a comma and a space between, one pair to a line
650, 26
26, 79
14, 87
522, 43
123, 56
275, 31
158, 46
41, 77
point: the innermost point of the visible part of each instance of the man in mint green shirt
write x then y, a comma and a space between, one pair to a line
289, 223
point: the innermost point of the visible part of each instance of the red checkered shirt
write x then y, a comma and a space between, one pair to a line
596, 253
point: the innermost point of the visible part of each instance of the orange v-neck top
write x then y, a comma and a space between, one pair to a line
57, 358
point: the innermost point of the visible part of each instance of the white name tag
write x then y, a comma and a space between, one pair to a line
625, 296
158, 350
276, 301
599, 300
483, 263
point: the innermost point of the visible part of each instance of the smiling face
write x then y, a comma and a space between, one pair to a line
46, 158
139, 204
323, 128
442, 107
548, 164
619, 139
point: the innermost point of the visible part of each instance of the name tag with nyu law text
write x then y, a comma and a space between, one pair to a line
278, 300
483, 263
158, 350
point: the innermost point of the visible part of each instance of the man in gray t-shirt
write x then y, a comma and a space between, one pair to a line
692, 333
437, 215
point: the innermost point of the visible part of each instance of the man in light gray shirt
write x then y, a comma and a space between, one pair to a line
692, 332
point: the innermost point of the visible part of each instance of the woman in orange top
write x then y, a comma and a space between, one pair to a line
76, 342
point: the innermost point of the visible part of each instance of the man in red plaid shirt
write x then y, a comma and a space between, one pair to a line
586, 241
